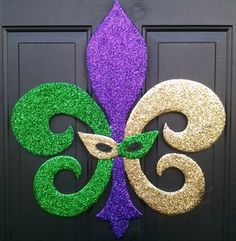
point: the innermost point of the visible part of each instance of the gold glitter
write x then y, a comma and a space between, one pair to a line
206, 120
201, 106
92, 140
169, 203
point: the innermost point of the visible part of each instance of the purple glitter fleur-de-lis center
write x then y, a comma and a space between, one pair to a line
117, 62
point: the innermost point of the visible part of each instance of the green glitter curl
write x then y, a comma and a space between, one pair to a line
69, 205
31, 115
30, 125
143, 142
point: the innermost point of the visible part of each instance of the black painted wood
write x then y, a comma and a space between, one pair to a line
45, 41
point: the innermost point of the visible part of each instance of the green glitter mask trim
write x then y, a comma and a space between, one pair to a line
31, 115
136, 146
69, 205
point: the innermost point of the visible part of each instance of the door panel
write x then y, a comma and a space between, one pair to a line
198, 54
45, 41
35, 57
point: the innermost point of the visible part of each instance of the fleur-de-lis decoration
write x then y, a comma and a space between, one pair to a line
117, 62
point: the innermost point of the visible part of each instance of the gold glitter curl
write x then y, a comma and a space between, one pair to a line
206, 120
169, 203
201, 106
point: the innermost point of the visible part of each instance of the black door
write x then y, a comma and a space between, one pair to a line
45, 41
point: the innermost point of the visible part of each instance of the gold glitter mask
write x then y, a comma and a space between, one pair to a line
206, 120
101, 147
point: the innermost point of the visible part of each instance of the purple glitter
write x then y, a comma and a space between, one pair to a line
117, 62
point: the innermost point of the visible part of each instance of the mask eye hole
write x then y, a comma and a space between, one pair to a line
134, 146
103, 147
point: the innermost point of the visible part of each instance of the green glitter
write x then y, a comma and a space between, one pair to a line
69, 205
136, 146
30, 124
31, 115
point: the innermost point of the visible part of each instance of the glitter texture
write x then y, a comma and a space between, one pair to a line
201, 106
169, 203
31, 115
117, 61
206, 121
145, 139
68, 205
91, 140
30, 124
